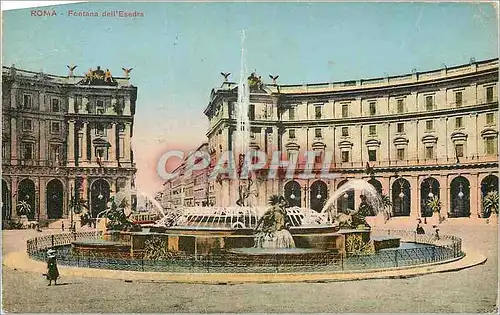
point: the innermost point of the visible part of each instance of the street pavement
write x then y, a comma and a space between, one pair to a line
470, 290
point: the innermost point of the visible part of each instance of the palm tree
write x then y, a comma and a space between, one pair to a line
434, 204
490, 203
77, 205
23, 208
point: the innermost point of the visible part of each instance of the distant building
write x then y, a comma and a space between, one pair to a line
413, 136
188, 189
65, 138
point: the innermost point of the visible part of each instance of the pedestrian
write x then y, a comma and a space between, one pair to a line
436, 232
74, 227
52, 271
62, 226
420, 229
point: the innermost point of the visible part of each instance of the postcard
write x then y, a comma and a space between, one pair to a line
250, 157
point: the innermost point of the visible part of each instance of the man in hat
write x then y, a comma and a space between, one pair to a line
52, 272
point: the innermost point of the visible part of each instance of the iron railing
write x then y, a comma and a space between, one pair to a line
427, 249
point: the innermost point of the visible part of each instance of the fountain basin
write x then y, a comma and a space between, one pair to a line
277, 256
100, 246
384, 242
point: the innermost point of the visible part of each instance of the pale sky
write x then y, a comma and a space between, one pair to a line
178, 50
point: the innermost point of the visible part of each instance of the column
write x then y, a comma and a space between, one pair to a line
126, 109
13, 197
13, 141
71, 144
41, 102
85, 102
13, 95
82, 143
70, 193
43, 126
111, 136
40, 198
444, 195
415, 197
127, 142
71, 104
113, 109
475, 197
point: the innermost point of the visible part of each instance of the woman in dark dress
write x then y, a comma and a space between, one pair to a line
52, 272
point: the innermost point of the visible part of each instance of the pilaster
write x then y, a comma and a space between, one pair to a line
71, 144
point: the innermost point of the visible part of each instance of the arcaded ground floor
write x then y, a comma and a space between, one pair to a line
466, 291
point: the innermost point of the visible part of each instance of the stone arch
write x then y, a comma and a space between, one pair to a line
459, 197
377, 184
319, 195
54, 198
401, 197
100, 191
428, 189
292, 192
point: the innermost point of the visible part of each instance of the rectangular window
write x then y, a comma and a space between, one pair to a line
317, 111
252, 134
429, 152
401, 106
318, 158
345, 111
230, 109
490, 118
401, 154
458, 99
317, 133
459, 122
27, 125
345, 156
429, 102
459, 149
490, 146
100, 107
55, 152
489, 94
251, 112
99, 131
27, 101
429, 125
100, 153
291, 133
28, 150
373, 109
55, 105
372, 130
401, 127
345, 131
372, 155
291, 113
55, 127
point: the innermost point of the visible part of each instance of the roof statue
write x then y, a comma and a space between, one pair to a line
274, 78
97, 77
225, 75
127, 71
71, 68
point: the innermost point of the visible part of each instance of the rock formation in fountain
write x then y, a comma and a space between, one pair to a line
272, 228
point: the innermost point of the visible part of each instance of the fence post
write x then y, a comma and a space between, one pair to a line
396, 257
52, 239
342, 260
415, 236
89, 261
36, 243
433, 254
276, 261
142, 263
78, 259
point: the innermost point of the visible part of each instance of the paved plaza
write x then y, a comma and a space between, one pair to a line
470, 290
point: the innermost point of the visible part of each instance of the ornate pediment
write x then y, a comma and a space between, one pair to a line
458, 136
292, 146
99, 77
372, 143
345, 144
400, 141
318, 145
429, 139
489, 133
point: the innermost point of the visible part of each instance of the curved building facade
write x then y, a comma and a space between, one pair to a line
412, 136
65, 140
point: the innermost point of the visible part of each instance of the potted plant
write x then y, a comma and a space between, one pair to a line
23, 210
490, 205
434, 204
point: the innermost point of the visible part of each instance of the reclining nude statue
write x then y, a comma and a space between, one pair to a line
272, 228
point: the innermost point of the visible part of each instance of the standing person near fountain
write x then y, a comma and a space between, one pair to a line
52, 271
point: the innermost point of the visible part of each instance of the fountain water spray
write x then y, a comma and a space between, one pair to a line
372, 196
